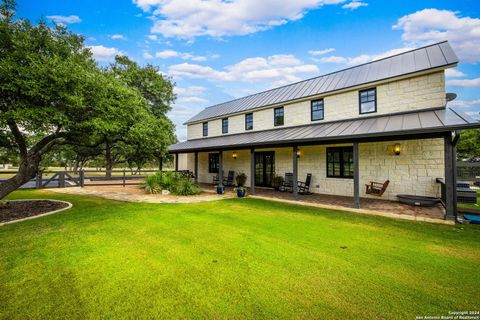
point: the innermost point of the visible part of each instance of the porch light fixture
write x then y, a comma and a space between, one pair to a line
298, 153
234, 155
396, 149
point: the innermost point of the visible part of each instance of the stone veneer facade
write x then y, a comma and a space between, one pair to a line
419, 92
414, 171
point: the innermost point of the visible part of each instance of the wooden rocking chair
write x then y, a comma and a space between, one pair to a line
377, 188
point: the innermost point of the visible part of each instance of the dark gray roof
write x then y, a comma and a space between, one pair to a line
429, 57
393, 125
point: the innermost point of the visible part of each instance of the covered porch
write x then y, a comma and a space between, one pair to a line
431, 137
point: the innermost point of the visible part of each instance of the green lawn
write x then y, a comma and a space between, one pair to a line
237, 258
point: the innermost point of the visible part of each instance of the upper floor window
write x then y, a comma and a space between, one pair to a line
249, 121
317, 110
368, 100
205, 129
225, 125
278, 116
340, 162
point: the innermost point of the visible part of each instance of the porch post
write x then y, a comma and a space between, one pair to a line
450, 178
252, 171
176, 161
356, 177
220, 168
196, 166
295, 173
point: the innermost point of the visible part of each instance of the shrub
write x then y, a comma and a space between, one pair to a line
171, 181
241, 178
151, 185
277, 181
186, 187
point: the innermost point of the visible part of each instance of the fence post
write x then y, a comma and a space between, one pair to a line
61, 180
39, 180
124, 177
81, 177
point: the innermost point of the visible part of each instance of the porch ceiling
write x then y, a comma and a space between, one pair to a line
431, 121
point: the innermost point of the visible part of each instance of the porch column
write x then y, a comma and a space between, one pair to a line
252, 171
295, 173
196, 166
450, 178
176, 161
220, 168
356, 177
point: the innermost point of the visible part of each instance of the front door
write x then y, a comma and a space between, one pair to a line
264, 168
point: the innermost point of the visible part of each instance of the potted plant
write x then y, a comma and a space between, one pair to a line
277, 182
219, 188
240, 179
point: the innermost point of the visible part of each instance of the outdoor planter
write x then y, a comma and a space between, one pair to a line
220, 190
241, 192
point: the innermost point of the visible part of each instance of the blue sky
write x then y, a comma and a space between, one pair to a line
219, 50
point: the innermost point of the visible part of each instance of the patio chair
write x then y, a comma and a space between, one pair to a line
287, 184
228, 181
377, 188
215, 180
304, 187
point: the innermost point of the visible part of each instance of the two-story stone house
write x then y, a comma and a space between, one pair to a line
383, 120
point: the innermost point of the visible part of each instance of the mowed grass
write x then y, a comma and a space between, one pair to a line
237, 258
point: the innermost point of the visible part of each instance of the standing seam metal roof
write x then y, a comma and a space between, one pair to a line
421, 59
409, 123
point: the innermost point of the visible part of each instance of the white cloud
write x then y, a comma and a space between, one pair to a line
276, 70
363, 58
152, 37
215, 18
167, 54
433, 25
464, 82
321, 52
354, 5
465, 103
454, 73
147, 55
118, 37
65, 19
104, 54
190, 94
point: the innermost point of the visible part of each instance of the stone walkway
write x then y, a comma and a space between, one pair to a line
137, 194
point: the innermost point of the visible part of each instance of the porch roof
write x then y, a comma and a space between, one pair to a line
432, 121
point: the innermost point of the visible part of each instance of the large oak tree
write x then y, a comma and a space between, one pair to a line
53, 93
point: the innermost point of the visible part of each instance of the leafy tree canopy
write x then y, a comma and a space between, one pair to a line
53, 93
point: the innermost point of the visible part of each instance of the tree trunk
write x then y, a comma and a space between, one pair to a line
109, 160
26, 171
160, 163
75, 166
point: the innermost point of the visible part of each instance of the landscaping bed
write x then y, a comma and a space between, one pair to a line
15, 210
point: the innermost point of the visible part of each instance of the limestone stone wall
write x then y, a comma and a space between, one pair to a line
425, 91
414, 171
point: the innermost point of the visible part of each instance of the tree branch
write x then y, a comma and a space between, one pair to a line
19, 139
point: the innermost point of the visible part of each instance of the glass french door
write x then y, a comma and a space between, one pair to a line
264, 168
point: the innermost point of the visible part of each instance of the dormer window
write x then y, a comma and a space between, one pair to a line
368, 100
205, 129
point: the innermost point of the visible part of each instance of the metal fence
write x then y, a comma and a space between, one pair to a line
468, 170
83, 178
